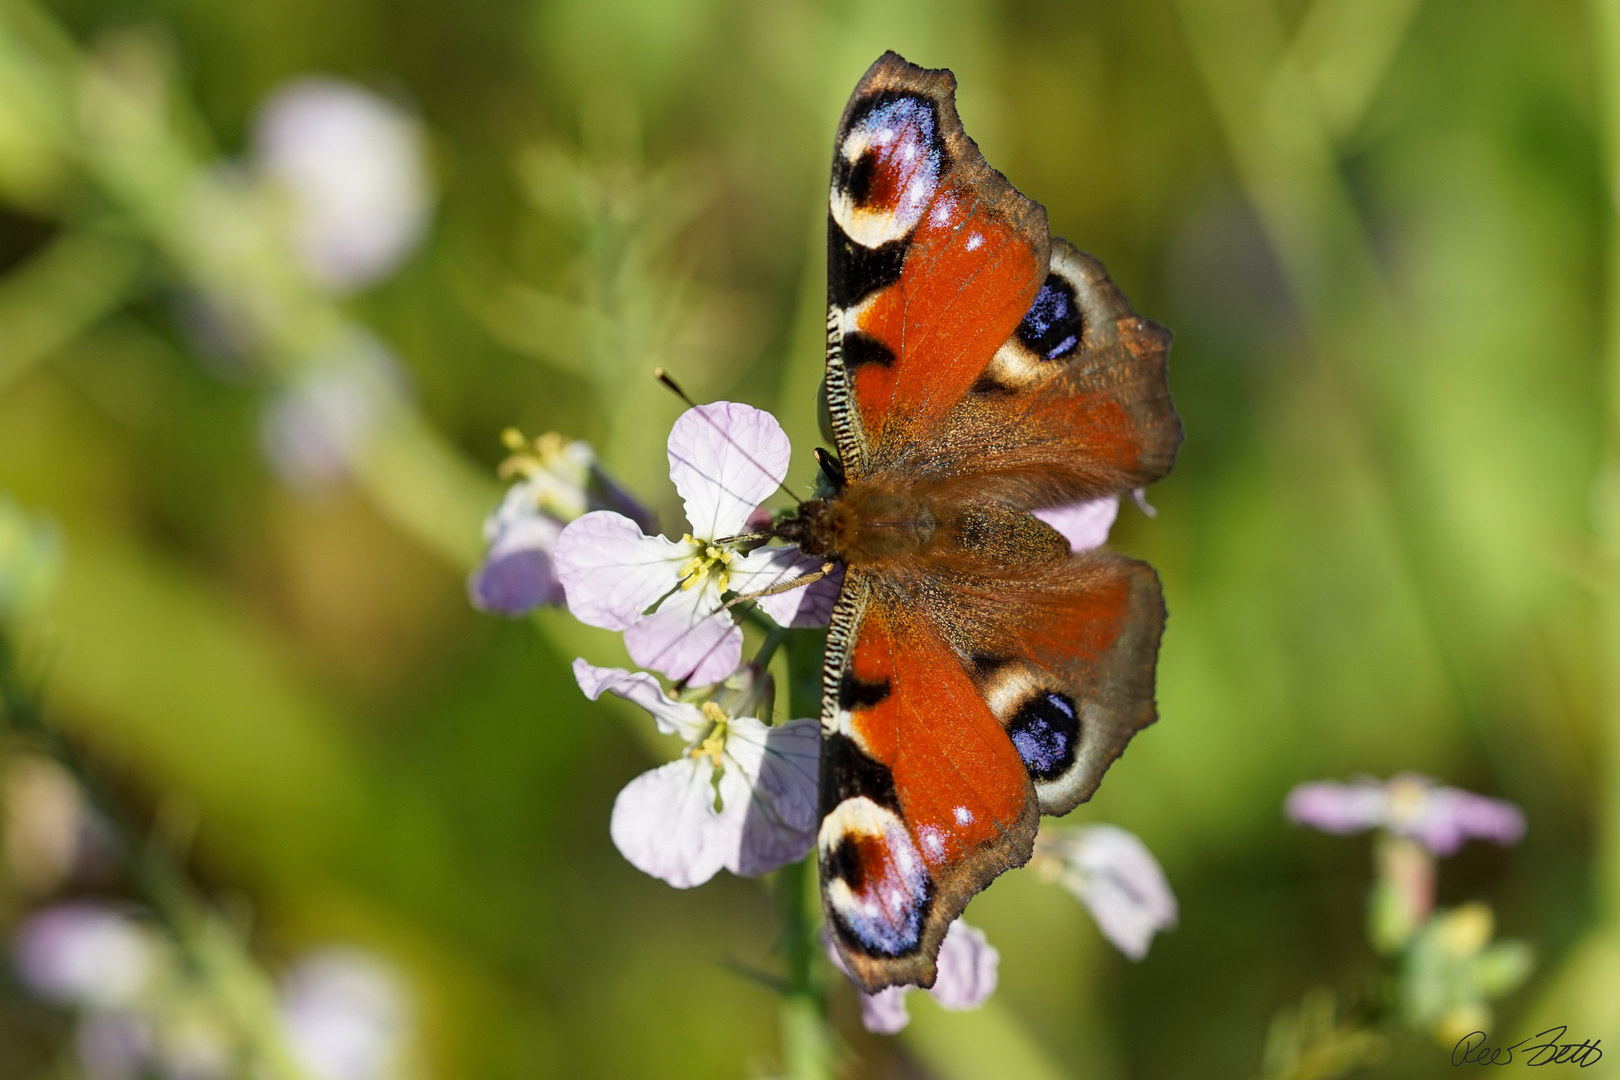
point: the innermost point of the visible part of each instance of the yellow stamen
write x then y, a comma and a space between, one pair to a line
528, 458
714, 746
713, 560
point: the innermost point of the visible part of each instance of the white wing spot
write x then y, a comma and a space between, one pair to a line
943, 210
974, 241
964, 816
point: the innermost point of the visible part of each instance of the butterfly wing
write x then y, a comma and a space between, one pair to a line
957, 708
958, 329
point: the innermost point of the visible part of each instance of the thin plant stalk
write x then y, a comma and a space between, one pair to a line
229, 974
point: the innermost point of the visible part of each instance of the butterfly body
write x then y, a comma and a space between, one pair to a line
978, 671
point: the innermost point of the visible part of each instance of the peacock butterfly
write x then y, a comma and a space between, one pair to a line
978, 673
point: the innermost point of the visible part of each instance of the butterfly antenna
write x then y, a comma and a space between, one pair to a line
664, 377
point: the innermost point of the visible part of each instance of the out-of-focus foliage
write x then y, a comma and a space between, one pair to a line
1381, 230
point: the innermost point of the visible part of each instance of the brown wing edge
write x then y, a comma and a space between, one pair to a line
1121, 698
1148, 343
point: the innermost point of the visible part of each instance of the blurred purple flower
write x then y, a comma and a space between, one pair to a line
346, 1016
560, 481
316, 429
86, 955
114, 1046
1410, 805
725, 459
966, 979
353, 164
742, 797
1115, 876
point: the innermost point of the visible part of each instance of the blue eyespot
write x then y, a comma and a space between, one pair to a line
1052, 327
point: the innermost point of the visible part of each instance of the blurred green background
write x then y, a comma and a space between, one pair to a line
1382, 231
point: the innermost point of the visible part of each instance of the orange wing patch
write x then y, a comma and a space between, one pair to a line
924, 799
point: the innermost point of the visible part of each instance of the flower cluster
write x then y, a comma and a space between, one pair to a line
1449, 966
742, 795
343, 1014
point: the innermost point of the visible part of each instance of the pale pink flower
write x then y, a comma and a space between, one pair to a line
1084, 524
1441, 818
317, 429
1115, 876
725, 459
742, 797
966, 978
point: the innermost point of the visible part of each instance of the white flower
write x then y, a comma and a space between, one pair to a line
742, 797
725, 459
353, 164
967, 977
345, 1015
87, 955
1114, 875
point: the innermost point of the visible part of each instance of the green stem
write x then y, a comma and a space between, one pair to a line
808, 1043
773, 641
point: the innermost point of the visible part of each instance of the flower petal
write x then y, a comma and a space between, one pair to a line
684, 641
807, 605
610, 572
775, 768
1452, 815
967, 968
672, 717
514, 584
665, 823
1338, 808
725, 458
882, 1013
1114, 875
1084, 524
